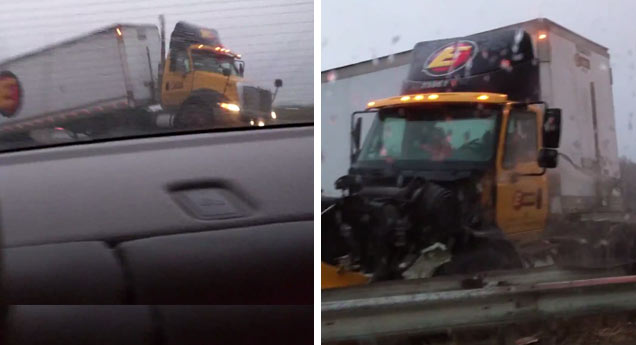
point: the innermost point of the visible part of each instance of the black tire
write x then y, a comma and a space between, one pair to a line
195, 114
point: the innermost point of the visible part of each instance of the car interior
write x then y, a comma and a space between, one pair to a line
218, 218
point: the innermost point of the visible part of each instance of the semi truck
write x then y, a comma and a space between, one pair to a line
458, 172
121, 76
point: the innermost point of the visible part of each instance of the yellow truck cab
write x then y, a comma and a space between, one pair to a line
462, 164
203, 84
489, 129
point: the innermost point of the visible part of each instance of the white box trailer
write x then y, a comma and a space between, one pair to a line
574, 75
107, 71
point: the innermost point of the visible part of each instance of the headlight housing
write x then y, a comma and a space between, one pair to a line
230, 106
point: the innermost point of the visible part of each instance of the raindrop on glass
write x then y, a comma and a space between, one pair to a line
395, 39
332, 76
505, 64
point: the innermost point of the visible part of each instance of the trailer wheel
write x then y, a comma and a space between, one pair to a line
195, 114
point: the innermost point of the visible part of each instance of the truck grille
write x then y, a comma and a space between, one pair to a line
256, 100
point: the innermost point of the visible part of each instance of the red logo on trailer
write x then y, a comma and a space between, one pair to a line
450, 58
10, 94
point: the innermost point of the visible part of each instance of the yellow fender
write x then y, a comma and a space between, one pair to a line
334, 277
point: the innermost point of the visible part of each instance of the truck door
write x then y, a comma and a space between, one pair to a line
521, 191
177, 80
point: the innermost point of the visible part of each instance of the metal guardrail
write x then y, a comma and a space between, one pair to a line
400, 308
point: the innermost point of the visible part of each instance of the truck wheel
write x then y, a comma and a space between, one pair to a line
195, 115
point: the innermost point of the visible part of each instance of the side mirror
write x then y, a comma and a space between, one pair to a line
344, 182
548, 158
552, 128
241, 69
226, 72
355, 137
278, 83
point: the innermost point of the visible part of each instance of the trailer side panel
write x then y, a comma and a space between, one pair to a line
70, 76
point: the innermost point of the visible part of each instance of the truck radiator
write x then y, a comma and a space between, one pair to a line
255, 99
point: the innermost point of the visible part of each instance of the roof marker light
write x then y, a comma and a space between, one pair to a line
543, 36
482, 97
419, 97
370, 104
405, 98
200, 46
433, 96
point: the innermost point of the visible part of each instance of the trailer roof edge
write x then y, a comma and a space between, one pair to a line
403, 58
72, 41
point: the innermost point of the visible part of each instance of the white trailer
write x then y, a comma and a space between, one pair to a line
105, 72
574, 75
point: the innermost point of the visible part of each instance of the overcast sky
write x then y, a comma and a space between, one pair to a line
275, 37
358, 30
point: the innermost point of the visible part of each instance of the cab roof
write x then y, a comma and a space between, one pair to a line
215, 49
440, 97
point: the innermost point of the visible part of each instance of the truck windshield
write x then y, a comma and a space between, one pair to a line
432, 133
210, 62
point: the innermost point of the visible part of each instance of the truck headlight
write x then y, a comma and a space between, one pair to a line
274, 115
230, 106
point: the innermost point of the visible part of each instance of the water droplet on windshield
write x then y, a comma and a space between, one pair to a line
505, 65
518, 36
395, 39
332, 76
